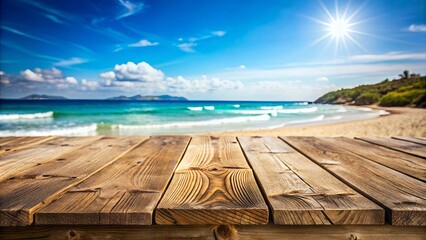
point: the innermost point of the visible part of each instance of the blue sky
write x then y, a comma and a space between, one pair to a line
242, 50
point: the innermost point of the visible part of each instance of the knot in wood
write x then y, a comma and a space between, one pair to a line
223, 231
352, 237
72, 234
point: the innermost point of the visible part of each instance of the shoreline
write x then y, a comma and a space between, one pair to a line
402, 121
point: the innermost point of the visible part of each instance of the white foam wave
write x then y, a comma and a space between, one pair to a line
66, 131
341, 109
236, 105
338, 117
209, 108
299, 110
271, 107
383, 112
315, 119
256, 112
26, 116
302, 103
264, 117
364, 109
195, 108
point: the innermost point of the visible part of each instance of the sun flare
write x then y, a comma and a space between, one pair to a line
339, 27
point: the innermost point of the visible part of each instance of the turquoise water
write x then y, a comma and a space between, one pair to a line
93, 117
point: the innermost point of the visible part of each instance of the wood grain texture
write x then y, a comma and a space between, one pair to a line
23, 194
402, 146
109, 232
124, 193
17, 143
333, 232
213, 184
15, 163
221, 232
411, 139
302, 193
402, 162
403, 197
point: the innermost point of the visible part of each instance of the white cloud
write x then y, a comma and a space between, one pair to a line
322, 79
71, 80
143, 43
203, 84
390, 56
219, 33
131, 8
89, 85
32, 76
1, 73
131, 72
192, 42
5, 81
108, 75
187, 47
70, 62
417, 28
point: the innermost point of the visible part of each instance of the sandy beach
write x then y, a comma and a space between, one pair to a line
402, 121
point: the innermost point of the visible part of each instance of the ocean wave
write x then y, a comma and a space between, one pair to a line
26, 116
271, 107
195, 108
256, 112
209, 108
66, 131
383, 112
341, 109
236, 105
315, 119
264, 117
302, 103
299, 110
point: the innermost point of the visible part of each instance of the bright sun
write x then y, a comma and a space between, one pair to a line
338, 27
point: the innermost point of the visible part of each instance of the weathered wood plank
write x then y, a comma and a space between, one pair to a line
126, 192
23, 194
402, 162
402, 146
221, 232
302, 193
213, 184
333, 232
20, 143
109, 232
411, 139
403, 197
14, 163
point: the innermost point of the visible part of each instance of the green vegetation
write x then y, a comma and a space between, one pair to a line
409, 90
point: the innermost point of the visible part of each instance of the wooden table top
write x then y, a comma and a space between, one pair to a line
183, 180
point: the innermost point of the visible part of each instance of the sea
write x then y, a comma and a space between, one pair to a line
106, 117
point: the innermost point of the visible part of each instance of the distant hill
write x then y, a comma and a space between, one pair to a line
409, 90
149, 98
43, 97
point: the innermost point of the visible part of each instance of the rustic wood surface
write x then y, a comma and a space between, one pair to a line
13, 144
417, 140
213, 185
38, 186
126, 192
402, 196
408, 164
16, 162
119, 180
217, 232
302, 193
398, 145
